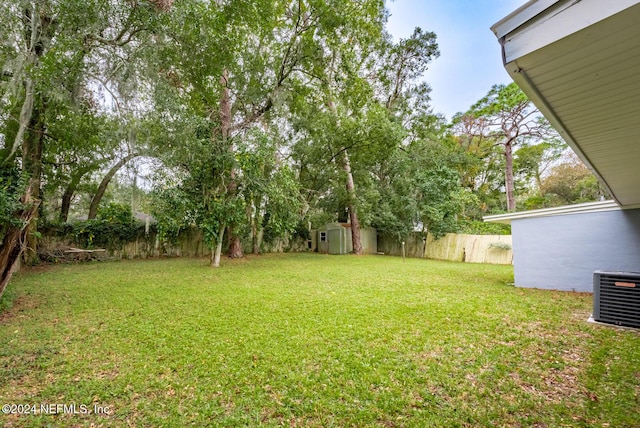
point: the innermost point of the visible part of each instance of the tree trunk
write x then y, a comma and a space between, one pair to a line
539, 183
260, 237
69, 192
351, 194
66, 199
32, 165
508, 179
256, 244
215, 255
12, 244
254, 233
97, 198
353, 214
35, 35
30, 136
235, 246
257, 230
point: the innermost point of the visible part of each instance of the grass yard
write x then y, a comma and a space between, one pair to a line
309, 340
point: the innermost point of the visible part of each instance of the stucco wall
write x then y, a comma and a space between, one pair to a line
562, 252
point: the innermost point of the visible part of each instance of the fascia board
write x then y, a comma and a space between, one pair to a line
588, 207
520, 16
554, 21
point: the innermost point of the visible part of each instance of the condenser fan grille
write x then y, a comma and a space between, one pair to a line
616, 298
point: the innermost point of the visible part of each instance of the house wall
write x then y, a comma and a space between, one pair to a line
562, 252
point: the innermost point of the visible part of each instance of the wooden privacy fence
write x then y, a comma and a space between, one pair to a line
190, 243
495, 249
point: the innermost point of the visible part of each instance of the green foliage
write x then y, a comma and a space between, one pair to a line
194, 191
367, 96
12, 184
502, 120
320, 218
170, 208
302, 231
500, 246
115, 213
536, 201
571, 182
532, 161
80, 142
440, 216
478, 227
307, 82
500, 101
282, 210
112, 228
58, 60
420, 185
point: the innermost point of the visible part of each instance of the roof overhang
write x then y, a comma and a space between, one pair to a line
579, 62
589, 207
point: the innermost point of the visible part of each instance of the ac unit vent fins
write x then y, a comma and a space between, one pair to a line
616, 298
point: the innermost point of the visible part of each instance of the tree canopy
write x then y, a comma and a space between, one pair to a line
263, 120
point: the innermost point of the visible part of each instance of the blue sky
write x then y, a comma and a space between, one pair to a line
470, 60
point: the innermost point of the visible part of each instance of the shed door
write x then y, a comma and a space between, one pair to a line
335, 241
322, 242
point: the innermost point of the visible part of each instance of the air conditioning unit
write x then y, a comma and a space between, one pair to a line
616, 298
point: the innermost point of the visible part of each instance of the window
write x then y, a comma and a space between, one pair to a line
323, 236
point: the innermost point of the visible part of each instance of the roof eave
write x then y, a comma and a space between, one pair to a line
587, 207
537, 24
520, 16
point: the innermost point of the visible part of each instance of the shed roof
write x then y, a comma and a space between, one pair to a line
578, 62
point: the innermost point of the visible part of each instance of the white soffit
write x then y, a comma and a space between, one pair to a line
578, 61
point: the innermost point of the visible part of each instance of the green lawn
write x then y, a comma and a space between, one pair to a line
309, 340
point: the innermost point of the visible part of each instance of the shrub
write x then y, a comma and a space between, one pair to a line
11, 187
500, 246
113, 227
475, 227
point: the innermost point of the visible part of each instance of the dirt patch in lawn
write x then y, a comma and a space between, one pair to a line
17, 308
